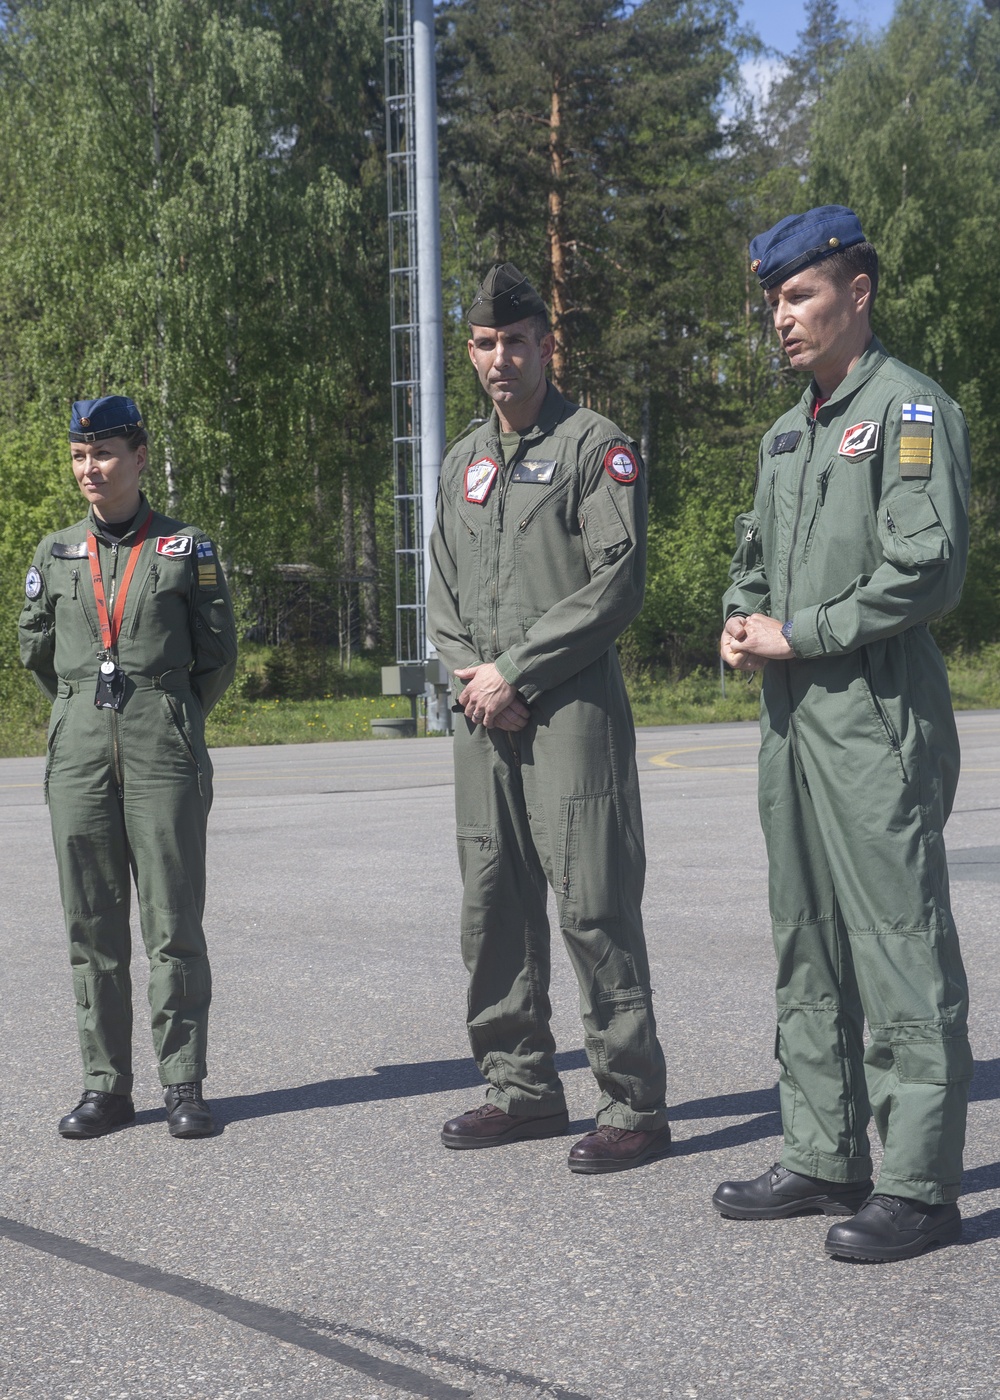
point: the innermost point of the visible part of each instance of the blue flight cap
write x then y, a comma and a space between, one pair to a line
94, 419
803, 239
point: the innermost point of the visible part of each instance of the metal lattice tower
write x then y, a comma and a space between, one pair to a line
401, 176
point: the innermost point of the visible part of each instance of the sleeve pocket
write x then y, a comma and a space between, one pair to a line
913, 531
215, 636
604, 529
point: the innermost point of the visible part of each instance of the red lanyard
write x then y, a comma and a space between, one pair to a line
110, 629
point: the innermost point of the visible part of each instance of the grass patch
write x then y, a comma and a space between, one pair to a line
349, 701
975, 679
300, 721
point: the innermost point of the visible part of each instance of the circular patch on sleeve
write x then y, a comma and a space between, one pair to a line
620, 464
33, 584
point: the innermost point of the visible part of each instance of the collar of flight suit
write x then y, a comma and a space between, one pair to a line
95, 524
875, 355
550, 415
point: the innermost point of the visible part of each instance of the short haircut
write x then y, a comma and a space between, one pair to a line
541, 326
136, 437
850, 263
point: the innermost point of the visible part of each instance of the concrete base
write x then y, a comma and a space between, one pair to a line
402, 728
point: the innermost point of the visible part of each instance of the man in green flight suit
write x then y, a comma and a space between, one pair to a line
858, 537
128, 629
537, 565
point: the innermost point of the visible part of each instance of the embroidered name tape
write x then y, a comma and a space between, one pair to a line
860, 441
69, 551
174, 546
479, 479
620, 464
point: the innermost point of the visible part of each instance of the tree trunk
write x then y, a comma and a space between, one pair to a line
553, 229
371, 632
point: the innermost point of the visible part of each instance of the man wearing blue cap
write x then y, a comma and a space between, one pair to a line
128, 629
858, 537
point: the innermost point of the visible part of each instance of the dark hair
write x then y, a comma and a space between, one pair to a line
541, 325
137, 437
851, 262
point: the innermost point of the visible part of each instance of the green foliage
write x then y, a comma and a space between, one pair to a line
193, 212
192, 209
924, 179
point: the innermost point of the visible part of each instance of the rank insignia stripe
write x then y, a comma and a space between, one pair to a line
208, 576
536, 473
479, 478
621, 465
174, 546
861, 440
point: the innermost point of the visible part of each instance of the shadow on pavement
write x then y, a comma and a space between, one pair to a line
985, 1081
981, 1227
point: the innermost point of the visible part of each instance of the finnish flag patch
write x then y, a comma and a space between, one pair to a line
918, 413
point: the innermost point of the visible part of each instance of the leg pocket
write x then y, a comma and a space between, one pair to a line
478, 860
587, 866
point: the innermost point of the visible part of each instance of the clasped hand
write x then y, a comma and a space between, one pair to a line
491, 701
749, 643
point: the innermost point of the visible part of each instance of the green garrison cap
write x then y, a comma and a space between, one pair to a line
505, 296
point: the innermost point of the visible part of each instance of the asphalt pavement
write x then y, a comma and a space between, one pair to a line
324, 1244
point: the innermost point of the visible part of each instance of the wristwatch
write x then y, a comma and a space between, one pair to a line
786, 631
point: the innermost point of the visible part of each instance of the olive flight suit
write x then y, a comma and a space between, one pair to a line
859, 536
132, 788
538, 564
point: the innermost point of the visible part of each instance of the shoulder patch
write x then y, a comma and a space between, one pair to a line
785, 442
918, 413
861, 440
69, 551
206, 549
33, 584
174, 546
620, 464
479, 478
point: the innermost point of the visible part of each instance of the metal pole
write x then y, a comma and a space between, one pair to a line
429, 313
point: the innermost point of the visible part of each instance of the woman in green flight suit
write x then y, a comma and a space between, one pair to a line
128, 628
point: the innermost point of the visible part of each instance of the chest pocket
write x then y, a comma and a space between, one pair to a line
605, 530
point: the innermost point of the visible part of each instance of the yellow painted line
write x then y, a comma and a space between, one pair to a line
665, 760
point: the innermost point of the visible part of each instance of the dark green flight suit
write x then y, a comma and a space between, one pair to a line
859, 535
538, 564
132, 788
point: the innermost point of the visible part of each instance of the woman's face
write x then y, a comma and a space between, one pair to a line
108, 473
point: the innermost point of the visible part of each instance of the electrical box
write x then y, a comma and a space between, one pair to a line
403, 680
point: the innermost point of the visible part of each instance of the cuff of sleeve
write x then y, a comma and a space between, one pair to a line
805, 639
512, 676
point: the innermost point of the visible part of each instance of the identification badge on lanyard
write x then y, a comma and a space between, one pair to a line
110, 686
110, 692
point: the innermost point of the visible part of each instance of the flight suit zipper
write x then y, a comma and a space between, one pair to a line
116, 751
497, 538
149, 586
892, 738
797, 516
821, 481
